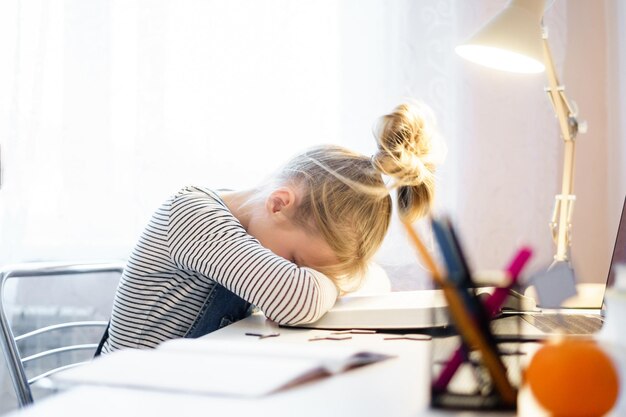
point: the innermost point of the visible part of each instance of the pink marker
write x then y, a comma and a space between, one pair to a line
492, 305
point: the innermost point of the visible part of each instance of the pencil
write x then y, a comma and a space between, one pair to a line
465, 324
492, 305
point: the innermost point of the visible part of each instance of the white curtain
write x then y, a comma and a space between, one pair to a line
108, 106
116, 104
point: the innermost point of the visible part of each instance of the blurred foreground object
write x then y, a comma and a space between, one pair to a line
574, 378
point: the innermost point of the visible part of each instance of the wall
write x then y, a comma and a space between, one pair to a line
591, 73
615, 87
584, 76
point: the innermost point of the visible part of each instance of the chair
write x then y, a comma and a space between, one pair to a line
10, 343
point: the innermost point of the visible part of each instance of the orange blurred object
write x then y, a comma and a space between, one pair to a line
573, 378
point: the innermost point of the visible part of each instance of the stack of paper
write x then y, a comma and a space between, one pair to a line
395, 310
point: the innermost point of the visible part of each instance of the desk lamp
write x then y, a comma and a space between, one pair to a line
515, 40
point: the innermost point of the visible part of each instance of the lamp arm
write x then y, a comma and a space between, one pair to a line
568, 124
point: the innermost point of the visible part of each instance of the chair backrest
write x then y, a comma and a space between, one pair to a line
10, 342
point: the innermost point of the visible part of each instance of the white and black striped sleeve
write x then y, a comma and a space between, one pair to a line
204, 236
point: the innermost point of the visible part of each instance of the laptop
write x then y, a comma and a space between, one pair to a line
571, 321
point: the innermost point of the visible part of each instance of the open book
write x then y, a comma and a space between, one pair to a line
208, 366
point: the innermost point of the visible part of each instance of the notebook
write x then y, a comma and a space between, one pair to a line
576, 321
423, 309
217, 367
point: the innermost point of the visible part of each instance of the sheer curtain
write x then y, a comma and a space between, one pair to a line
116, 104
109, 106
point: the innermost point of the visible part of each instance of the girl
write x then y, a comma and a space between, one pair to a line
289, 247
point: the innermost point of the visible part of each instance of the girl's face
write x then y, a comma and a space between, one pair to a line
275, 230
296, 245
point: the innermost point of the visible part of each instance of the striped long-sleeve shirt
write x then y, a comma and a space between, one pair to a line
191, 242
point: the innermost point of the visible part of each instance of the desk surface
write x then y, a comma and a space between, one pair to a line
395, 387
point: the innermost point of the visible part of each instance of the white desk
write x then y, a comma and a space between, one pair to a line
394, 387
399, 386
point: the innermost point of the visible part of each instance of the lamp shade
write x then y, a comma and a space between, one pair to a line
511, 41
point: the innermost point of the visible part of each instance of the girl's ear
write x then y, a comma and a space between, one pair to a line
281, 202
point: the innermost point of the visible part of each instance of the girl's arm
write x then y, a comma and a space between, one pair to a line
205, 237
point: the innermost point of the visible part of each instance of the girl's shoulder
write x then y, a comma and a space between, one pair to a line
194, 201
199, 204
194, 192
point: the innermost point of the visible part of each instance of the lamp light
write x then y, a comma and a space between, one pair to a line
515, 40
511, 41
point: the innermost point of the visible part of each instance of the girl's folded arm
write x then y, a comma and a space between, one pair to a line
207, 241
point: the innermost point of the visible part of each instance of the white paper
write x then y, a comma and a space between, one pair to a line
217, 367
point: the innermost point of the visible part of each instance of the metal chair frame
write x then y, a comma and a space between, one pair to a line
8, 340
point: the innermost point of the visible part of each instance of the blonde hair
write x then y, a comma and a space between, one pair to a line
345, 198
408, 151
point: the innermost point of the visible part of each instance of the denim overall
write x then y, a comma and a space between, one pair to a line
220, 309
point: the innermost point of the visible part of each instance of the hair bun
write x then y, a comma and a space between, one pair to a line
404, 144
408, 153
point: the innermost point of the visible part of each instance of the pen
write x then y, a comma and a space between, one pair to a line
466, 324
492, 305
